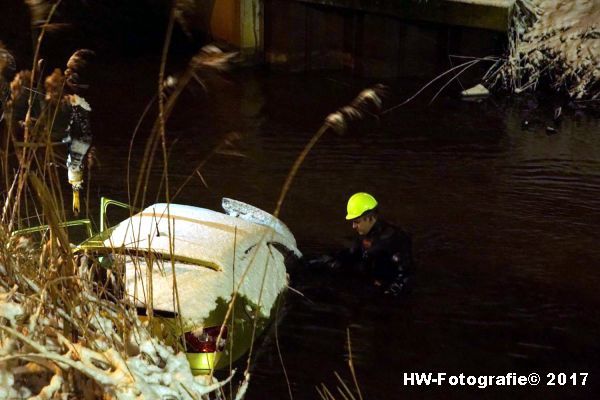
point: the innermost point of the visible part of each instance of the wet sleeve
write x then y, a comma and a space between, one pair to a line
341, 259
403, 261
350, 255
403, 257
384, 246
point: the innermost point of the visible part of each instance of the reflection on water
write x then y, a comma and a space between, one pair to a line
504, 223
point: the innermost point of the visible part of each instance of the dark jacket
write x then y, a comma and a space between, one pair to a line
384, 256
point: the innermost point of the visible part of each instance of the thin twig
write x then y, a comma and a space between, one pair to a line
292, 174
453, 78
351, 365
279, 354
434, 80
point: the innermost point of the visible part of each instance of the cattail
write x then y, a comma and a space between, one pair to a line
54, 86
19, 84
39, 11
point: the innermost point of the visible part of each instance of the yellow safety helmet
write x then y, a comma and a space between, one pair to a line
359, 203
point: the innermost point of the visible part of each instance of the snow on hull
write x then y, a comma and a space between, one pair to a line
199, 287
250, 213
209, 238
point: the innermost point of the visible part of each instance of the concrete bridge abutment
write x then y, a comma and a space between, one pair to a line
380, 39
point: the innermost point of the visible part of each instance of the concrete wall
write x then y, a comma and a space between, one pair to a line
485, 14
286, 35
308, 35
225, 22
238, 23
305, 36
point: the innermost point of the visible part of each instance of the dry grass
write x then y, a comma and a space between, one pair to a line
556, 42
343, 390
61, 332
58, 328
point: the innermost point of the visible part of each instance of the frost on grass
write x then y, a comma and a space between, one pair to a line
59, 339
553, 41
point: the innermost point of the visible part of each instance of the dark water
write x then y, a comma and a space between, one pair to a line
504, 220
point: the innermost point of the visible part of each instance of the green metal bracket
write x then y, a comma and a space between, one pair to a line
104, 203
79, 222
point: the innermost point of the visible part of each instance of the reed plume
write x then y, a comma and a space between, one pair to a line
61, 331
367, 103
39, 9
53, 85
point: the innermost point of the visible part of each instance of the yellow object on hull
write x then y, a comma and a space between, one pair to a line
203, 363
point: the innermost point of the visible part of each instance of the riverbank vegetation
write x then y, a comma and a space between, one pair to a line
61, 331
554, 43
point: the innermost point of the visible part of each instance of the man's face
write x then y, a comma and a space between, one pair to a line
363, 225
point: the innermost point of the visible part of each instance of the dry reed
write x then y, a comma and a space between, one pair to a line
57, 321
556, 42
61, 332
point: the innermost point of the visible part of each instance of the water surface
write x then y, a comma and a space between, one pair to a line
504, 221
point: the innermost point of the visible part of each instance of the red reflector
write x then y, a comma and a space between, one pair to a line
205, 341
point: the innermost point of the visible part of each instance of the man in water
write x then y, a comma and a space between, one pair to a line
381, 252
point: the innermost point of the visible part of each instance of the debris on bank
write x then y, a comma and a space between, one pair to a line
60, 339
556, 42
476, 91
